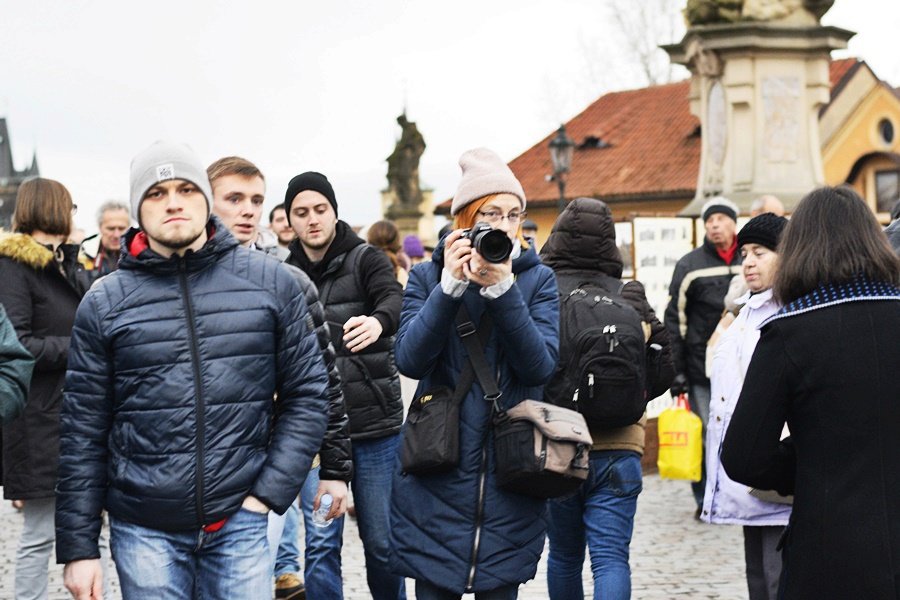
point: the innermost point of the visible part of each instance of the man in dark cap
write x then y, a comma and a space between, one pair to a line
696, 296
362, 302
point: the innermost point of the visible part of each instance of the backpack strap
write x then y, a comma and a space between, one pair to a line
567, 282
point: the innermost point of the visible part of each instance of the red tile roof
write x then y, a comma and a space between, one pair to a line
654, 146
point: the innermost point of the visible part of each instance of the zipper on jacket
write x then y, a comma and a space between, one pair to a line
198, 394
479, 516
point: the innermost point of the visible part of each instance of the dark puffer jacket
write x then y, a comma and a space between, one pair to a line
40, 300
582, 247
335, 455
353, 279
169, 420
696, 301
440, 532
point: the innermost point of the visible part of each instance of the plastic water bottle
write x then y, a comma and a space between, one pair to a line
324, 508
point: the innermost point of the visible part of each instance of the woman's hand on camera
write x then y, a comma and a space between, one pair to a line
457, 252
485, 273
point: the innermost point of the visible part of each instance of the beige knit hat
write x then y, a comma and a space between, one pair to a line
484, 173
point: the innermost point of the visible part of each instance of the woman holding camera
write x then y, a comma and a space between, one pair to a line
456, 532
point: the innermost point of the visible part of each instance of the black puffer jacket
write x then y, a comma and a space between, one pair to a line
40, 300
335, 455
354, 279
168, 419
696, 302
582, 247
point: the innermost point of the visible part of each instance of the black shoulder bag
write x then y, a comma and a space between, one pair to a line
431, 434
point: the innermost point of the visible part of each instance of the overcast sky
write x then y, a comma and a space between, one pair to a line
296, 86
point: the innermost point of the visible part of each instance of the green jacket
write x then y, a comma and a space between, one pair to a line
15, 371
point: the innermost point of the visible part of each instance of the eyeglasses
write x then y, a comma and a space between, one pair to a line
495, 216
74, 208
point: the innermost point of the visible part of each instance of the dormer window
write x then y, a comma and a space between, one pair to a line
593, 141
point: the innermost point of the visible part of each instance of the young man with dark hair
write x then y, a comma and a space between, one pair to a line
362, 306
169, 420
278, 223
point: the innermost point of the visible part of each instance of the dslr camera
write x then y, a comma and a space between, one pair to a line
492, 244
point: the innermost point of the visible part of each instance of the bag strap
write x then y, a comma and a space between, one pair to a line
473, 345
464, 324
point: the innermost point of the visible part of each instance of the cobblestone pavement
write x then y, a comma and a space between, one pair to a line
673, 556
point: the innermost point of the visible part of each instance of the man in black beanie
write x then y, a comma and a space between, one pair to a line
362, 302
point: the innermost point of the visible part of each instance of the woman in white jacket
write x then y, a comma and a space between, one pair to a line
725, 501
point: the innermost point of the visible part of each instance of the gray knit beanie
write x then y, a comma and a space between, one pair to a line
484, 173
163, 161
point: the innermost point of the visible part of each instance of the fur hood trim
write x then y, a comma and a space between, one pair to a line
24, 249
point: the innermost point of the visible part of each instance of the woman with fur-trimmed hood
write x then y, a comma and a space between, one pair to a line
42, 286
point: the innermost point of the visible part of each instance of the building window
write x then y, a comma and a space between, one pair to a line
886, 131
887, 189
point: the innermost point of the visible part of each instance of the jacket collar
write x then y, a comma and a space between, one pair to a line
754, 301
138, 256
831, 294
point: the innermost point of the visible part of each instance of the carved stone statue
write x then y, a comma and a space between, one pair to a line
709, 12
403, 164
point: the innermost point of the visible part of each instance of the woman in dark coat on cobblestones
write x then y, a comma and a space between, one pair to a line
42, 286
827, 363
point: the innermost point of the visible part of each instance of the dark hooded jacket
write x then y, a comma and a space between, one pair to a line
440, 531
169, 420
40, 296
353, 279
582, 247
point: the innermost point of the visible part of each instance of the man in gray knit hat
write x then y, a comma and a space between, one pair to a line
168, 419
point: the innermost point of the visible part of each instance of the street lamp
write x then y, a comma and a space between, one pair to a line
561, 149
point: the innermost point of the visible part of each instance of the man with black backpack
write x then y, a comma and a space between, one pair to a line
614, 358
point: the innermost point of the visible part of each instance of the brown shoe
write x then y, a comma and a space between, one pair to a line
289, 587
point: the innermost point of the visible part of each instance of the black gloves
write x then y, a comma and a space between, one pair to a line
679, 385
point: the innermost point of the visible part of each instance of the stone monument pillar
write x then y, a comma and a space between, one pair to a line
760, 75
404, 201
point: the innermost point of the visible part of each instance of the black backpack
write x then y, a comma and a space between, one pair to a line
602, 353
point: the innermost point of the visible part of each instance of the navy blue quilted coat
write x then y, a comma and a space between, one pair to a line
168, 419
440, 532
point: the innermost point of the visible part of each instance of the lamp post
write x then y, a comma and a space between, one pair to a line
561, 149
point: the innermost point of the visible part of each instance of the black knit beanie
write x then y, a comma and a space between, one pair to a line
308, 181
764, 229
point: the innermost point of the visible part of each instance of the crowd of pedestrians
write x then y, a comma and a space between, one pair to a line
181, 393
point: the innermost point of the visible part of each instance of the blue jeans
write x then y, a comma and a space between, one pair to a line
601, 515
171, 565
427, 591
373, 464
322, 556
698, 398
287, 559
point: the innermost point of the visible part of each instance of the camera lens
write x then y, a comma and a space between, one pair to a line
493, 245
